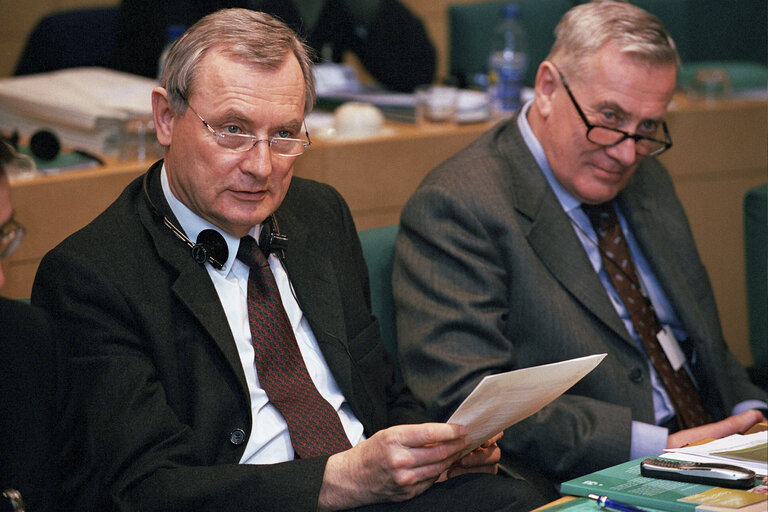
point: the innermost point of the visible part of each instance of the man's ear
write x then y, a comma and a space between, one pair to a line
547, 80
163, 116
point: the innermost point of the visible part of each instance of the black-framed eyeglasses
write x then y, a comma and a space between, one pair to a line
609, 137
241, 142
11, 234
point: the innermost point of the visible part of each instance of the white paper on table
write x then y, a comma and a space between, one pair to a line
710, 452
76, 97
499, 401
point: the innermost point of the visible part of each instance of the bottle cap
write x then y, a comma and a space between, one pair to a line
510, 11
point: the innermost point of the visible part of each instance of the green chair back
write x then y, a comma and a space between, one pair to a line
727, 36
470, 28
756, 253
379, 253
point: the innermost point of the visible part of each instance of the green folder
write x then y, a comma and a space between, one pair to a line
624, 483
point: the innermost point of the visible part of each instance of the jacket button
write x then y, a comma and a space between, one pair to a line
237, 437
636, 375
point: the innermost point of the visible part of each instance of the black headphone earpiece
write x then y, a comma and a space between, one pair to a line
271, 240
44, 145
212, 247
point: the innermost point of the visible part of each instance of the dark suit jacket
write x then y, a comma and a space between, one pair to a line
32, 384
489, 276
157, 374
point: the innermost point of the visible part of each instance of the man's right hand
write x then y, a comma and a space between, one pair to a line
731, 425
394, 464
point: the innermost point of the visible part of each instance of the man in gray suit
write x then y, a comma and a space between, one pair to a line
498, 267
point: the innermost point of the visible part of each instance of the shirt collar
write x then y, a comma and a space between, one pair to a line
192, 224
566, 199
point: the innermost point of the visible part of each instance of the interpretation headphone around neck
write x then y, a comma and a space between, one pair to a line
210, 245
271, 240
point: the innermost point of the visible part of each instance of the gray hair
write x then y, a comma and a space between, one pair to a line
254, 36
585, 29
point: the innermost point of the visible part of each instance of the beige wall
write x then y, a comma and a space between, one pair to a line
17, 19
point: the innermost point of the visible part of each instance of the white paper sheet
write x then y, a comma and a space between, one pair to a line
502, 400
713, 451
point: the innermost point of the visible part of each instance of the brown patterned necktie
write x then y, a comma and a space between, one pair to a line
313, 424
614, 252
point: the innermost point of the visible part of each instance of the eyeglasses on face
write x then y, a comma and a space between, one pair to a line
609, 137
11, 234
241, 142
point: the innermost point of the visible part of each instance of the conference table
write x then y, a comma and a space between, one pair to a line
720, 151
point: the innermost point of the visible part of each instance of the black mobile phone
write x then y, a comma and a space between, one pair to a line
721, 475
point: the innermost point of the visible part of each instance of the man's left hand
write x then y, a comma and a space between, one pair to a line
483, 459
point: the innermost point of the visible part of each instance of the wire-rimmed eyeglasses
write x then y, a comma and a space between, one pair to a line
609, 137
241, 142
11, 234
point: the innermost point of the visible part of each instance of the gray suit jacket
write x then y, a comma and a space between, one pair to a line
164, 405
489, 276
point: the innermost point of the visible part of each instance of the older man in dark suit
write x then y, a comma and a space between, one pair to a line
240, 375
558, 235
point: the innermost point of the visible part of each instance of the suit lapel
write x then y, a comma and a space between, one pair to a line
193, 286
551, 236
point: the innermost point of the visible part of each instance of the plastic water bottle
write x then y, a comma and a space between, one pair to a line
507, 63
172, 33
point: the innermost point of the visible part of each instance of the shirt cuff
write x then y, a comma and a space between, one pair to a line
647, 440
750, 404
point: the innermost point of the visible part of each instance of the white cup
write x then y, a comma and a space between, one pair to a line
436, 104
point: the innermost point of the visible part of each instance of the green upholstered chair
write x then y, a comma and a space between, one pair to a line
742, 75
727, 36
470, 27
379, 253
730, 36
735, 31
756, 253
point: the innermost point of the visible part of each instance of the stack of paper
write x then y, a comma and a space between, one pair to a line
84, 107
748, 451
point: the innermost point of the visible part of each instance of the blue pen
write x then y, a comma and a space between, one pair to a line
606, 502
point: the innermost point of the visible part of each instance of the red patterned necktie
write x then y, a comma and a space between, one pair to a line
614, 252
313, 424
